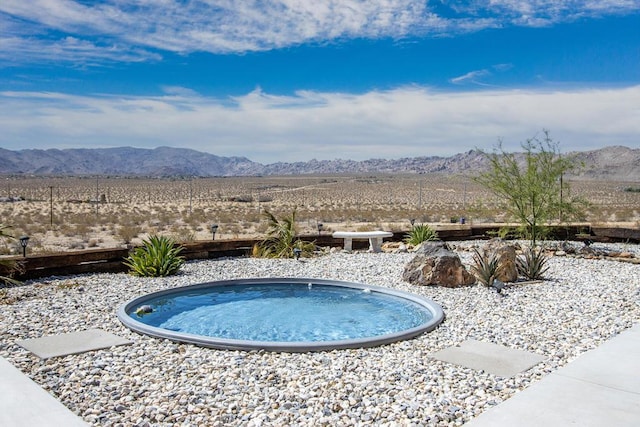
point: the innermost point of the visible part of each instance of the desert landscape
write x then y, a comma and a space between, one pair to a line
72, 213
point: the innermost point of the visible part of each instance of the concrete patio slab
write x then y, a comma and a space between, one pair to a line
562, 401
492, 358
599, 388
72, 343
24, 403
615, 364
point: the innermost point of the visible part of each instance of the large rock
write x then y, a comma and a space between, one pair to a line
506, 254
435, 264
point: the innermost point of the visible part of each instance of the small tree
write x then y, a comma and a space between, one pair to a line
532, 188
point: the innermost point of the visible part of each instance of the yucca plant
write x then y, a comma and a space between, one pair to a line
532, 264
157, 257
486, 266
420, 233
281, 239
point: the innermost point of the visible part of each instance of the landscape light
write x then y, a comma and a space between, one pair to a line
214, 229
320, 225
24, 241
412, 221
296, 253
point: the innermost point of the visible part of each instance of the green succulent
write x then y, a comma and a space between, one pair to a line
157, 257
420, 233
532, 264
486, 266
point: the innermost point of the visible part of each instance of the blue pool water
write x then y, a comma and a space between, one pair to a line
283, 311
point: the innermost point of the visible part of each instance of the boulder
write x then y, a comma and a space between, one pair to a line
506, 254
436, 265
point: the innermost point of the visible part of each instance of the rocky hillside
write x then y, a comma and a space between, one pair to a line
162, 161
613, 163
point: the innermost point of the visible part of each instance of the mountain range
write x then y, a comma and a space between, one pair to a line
612, 163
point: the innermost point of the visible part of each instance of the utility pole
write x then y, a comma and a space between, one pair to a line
51, 205
97, 195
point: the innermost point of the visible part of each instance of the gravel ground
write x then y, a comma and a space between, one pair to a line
157, 382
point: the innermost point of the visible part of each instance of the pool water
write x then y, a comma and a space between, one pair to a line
282, 314
285, 312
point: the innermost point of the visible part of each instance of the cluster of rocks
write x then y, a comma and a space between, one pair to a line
590, 251
435, 263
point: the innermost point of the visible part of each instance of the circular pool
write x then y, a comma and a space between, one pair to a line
281, 314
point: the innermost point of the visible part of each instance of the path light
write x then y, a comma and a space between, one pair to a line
320, 225
412, 221
498, 285
24, 241
214, 229
296, 253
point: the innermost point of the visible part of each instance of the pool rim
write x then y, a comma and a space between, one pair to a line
280, 346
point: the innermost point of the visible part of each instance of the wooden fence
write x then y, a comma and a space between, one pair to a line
110, 260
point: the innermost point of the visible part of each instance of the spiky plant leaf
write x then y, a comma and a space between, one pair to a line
157, 257
420, 233
486, 266
532, 264
281, 239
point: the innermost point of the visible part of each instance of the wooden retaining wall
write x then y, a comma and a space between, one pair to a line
110, 260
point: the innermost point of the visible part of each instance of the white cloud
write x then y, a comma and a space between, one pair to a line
471, 76
410, 121
224, 26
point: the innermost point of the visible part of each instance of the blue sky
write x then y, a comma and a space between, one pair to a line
293, 80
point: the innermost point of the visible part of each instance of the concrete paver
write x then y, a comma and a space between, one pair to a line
492, 358
71, 343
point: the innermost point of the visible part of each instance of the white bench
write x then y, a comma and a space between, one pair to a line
374, 237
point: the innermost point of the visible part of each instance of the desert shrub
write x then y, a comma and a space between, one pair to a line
532, 264
7, 267
485, 267
183, 235
420, 233
157, 257
281, 239
76, 245
129, 232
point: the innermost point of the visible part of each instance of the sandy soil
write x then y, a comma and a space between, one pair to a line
61, 214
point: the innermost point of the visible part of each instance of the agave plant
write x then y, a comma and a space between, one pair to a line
157, 257
281, 241
420, 233
486, 267
532, 264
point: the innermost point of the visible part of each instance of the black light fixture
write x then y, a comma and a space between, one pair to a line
412, 221
320, 225
214, 229
24, 241
296, 253
498, 285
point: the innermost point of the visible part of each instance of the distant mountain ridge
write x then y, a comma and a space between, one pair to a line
614, 163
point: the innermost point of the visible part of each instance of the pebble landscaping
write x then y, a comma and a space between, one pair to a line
155, 382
